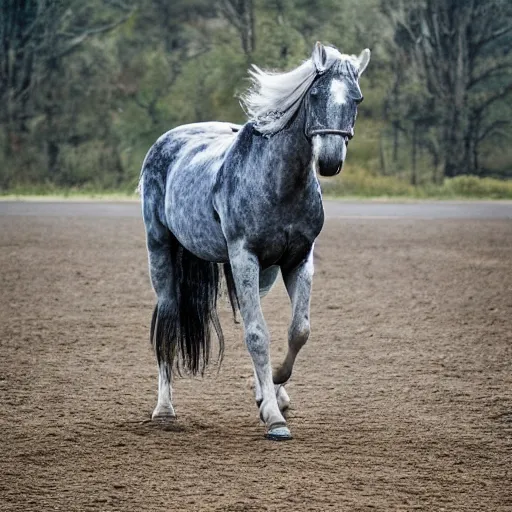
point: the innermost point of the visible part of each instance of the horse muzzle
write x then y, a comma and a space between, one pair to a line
331, 154
329, 167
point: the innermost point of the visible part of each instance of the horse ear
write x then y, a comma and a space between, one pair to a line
319, 57
363, 59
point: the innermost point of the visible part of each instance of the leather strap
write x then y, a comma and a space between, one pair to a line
328, 131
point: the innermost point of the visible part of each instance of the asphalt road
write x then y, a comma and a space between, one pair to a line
333, 209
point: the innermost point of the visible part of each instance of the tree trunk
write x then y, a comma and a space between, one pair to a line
437, 176
396, 135
453, 145
475, 156
414, 148
52, 157
382, 155
240, 14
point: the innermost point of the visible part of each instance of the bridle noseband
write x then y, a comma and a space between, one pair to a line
347, 135
328, 131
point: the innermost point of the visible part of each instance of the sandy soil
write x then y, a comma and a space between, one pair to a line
402, 399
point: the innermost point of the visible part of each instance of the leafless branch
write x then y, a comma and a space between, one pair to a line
229, 11
493, 36
491, 72
493, 98
78, 40
492, 128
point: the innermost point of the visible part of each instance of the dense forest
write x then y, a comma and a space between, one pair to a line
86, 87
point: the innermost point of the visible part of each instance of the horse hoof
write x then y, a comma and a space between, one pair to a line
279, 434
163, 415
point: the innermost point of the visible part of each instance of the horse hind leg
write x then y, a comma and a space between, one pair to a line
163, 325
164, 410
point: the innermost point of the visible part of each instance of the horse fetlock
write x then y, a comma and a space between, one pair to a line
283, 400
270, 413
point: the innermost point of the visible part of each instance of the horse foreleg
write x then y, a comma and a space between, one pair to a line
298, 285
246, 270
283, 400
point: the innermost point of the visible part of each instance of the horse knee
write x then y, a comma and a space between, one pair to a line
257, 341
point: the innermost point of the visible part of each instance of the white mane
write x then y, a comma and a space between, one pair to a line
274, 98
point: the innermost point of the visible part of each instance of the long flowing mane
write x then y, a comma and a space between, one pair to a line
274, 98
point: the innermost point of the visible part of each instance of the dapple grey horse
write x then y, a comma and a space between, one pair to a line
247, 197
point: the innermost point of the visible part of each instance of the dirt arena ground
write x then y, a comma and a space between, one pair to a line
402, 399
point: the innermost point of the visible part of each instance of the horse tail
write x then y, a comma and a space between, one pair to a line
230, 284
181, 326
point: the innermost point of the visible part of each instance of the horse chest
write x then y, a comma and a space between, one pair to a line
285, 236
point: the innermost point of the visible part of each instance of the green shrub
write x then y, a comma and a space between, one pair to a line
473, 186
354, 181
358, 181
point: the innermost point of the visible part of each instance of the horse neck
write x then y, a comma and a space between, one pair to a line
291, 153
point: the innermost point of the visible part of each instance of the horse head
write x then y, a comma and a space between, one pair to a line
331, 106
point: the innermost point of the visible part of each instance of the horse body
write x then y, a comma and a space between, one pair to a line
247, 197
210, 173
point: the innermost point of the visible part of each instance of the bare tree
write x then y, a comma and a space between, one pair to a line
35, 38
240, 14
462, 53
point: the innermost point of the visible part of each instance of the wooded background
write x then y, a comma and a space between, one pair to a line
87, 87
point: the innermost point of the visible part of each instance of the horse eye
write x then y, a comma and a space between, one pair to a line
314, 91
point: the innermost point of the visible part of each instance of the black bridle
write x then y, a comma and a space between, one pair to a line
347, 135
328, 131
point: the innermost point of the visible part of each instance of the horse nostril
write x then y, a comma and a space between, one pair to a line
360, 100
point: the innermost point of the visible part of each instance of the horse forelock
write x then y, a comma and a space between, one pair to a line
274, 98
